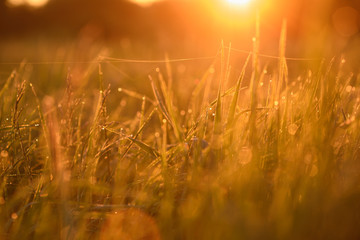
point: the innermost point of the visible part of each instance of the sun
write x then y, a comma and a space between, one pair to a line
238, 2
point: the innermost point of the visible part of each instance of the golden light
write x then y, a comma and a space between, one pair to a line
145, 2
238, 2
33, 3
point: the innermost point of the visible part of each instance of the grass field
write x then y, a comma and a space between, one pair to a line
180, 149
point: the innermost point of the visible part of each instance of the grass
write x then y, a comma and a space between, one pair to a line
254, 155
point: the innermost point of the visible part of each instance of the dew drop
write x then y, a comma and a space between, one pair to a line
348, 88
123, 103
14, 216
43, 195
4, 154
292, 129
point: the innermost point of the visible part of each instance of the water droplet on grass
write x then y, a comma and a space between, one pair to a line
4, 154
348, 88
292, 129
14, 216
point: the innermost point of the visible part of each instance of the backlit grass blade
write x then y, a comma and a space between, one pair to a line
234, 100
136, 95
218, 109
145, 147
7, 83
254, 88
160, 101
167, 93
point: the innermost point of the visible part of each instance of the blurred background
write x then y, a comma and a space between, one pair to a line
322, 27
73, 33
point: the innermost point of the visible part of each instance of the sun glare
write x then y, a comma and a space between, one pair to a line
239, 2
145, 2
33, 3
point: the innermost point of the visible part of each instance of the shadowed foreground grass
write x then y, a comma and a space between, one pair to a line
260, 155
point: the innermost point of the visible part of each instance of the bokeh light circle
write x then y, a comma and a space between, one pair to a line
346, 21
